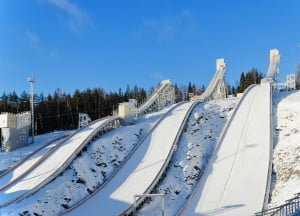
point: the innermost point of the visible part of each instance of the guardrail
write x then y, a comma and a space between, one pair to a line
16, 165
122, 163
131, 209
67, 162
268, 185
220, 140
290, 208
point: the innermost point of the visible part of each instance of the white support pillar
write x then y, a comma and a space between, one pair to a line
31, 80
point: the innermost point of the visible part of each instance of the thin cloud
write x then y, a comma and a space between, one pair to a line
163, 27
157, 76
32, 38
168, 26
136, 34
76, 18
54, 54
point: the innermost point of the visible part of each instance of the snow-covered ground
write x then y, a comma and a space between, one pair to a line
87, 172
195, 146
286, 156
8, 159
235, 180
142, 168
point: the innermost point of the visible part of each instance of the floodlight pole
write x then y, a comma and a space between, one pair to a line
31, 80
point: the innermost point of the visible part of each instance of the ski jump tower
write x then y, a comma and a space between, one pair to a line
217, 87
220, 88
163, 96
273, 69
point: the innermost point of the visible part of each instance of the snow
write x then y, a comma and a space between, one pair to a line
48, 167
8, 159
235, 180
87, 172
23, 166
235, 186
139, 171
286, 160
194, 148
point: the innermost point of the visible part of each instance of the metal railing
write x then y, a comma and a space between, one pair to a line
268, 185
290, 208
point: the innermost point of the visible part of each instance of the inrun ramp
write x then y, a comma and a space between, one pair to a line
139, 171
236, 178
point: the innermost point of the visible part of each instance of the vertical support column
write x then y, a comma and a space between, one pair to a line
31, 80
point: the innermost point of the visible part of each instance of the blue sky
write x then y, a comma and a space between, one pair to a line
70, 44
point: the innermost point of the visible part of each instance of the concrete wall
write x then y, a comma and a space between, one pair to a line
126, 110
12, 138
8, 120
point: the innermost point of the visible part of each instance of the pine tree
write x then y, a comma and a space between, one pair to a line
242, 82
298, 77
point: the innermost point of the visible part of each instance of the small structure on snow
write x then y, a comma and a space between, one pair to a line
84, 119
14, 130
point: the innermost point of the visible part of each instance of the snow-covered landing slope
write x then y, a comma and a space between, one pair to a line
235, 180
24, 166
194, 148
10, 159
286, 159
48, 167
139, 171
89, 171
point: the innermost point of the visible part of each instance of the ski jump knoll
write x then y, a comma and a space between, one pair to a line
237, 178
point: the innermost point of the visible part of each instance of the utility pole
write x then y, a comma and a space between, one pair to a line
31, 80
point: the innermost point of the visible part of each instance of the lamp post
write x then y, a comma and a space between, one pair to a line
31, 80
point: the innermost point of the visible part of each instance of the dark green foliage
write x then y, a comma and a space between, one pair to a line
59, 111
298, 77
251, 77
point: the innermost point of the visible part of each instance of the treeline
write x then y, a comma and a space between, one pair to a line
59, 111
298, 77
253, 76
183, 92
